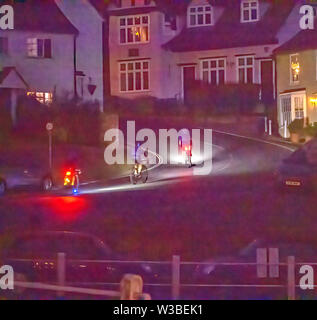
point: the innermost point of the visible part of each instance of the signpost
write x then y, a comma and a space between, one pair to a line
49, 129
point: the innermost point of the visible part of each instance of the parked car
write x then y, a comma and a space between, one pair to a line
299, 170
20, 172
34, 255
240, 270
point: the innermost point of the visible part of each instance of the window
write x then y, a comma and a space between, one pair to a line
213, 71
39, 48
249, 10
134, 76
199, 16
299, 107
4, 45
42, 97
245, 69
294, 68
134, 29
286, 108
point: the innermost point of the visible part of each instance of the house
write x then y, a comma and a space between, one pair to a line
158, 48
37, 58
297, 80
89, 49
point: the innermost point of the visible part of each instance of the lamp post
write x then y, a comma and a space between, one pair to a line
49, 129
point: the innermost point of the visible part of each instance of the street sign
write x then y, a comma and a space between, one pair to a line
49, 126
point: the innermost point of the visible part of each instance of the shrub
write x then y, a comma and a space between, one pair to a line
32, 117
296, 126
310, 130
223, 99
75, 122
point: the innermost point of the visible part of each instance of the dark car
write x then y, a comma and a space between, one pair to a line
23, 172
88, 259
299, 170
240, 270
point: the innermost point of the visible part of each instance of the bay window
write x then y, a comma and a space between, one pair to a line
134, 29
213, 71
134, 76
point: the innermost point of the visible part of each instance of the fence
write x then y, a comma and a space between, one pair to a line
264, 269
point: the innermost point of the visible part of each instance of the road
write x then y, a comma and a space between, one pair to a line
196, 217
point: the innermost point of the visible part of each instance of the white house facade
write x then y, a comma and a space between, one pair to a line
159, 50
37, 57
89, 49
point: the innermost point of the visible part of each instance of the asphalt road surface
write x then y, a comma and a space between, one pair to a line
197, 217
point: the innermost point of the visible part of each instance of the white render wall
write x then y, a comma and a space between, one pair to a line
166, 69
45, 75
153, 51
89, 44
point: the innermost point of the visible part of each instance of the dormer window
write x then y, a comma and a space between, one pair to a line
200, 16
249, 10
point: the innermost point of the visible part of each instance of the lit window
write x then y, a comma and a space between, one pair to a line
249, 10
134, 29
39, 48
299, 107
245, 69
134, 76
3, 45
199, 16
42, 97
213, 71
294, 68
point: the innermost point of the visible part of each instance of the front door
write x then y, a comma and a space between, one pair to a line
188, 81
292, 106
267, 81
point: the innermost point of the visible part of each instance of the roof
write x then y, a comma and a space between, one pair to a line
16, 81
40, 15
304, 40
292, 90
230, 33
170, 6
